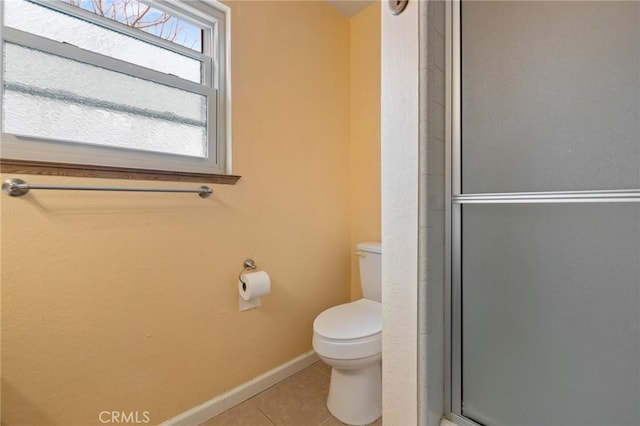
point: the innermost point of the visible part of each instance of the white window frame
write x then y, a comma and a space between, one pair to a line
210, 15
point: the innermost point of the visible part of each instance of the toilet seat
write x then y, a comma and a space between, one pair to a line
349, 331
350, 321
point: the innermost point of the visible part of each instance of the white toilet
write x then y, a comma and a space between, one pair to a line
348, 338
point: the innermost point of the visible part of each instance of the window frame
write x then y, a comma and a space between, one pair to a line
30, 155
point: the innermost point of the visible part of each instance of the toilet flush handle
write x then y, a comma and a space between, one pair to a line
361, 254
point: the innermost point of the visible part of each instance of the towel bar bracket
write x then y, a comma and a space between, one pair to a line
15, 187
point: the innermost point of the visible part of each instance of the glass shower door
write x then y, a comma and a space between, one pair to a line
546, 213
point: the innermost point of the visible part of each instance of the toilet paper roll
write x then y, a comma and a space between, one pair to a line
254, 284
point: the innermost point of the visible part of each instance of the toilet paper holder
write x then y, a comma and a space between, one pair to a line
247, 265
252, 285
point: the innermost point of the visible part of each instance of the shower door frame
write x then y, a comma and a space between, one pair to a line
454, 201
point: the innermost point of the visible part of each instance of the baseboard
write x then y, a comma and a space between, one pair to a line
235, 396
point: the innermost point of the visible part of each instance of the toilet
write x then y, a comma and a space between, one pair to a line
347, 337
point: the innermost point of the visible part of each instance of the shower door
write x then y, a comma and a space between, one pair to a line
545, 213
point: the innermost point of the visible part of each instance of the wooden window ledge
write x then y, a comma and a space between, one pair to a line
44, 168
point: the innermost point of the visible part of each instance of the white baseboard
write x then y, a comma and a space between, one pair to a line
235, 396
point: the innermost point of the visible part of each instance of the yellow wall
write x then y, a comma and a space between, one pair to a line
124, 301
364, 134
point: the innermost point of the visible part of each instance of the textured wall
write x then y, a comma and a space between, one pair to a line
124, 301
365, 134
400, 93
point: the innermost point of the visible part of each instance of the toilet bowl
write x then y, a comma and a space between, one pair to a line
348, 338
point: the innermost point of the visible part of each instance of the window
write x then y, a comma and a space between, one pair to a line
108, 84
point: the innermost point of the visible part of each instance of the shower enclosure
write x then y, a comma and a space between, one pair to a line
545, 213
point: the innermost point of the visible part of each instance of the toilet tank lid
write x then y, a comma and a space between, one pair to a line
355, 320
370, 247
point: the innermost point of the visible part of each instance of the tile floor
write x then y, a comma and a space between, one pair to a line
299, 400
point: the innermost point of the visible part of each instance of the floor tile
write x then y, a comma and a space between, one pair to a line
324, 368
332, 421
245, 414
298, 400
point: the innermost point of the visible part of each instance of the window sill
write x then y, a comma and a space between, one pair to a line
80, 170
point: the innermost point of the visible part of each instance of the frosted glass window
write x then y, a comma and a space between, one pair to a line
65, 104
550, 95
116, 83
551, 314
54, 25
142, 16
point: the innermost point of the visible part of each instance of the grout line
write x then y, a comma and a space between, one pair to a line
252, 402
320, 369
265, 416
325, 420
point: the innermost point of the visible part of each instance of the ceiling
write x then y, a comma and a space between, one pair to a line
350, 7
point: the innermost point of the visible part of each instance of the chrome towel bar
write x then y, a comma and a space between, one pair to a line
18, 188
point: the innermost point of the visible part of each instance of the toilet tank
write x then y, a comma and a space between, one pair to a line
370, 270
